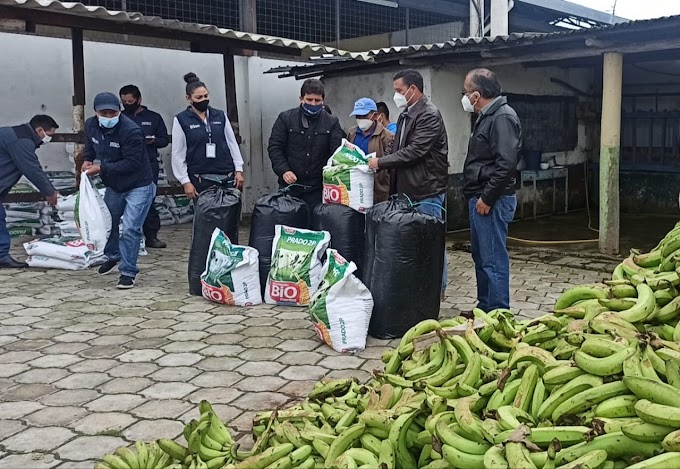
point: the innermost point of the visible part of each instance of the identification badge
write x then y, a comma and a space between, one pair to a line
210, 151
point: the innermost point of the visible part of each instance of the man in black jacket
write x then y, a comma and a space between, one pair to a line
302, 141
118, 143
489, 184
155, 137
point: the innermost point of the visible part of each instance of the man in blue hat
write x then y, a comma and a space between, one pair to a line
370, 135
118, 143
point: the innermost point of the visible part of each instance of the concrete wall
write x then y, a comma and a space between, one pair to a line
37, 78
443, 85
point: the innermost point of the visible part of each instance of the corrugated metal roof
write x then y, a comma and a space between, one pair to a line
516, 37
78, 9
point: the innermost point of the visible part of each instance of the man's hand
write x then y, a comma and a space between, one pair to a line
86, 165
482, 208
373, 164
289, 177
190, 190
239, 180
93, 169
52, 199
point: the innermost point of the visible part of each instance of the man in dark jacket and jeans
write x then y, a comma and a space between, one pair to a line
489, 184
17, 158
302, 141
118, 143
155, 137
418, 162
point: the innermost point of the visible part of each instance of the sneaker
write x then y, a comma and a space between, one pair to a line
156, 243
125, 282
107, 267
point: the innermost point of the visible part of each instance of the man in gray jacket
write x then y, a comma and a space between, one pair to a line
17, 158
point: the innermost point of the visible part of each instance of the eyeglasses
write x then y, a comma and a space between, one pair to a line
465, 93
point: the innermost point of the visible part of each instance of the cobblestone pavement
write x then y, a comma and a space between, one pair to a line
85, 368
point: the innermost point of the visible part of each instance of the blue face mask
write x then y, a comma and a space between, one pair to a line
108, 122
312, 110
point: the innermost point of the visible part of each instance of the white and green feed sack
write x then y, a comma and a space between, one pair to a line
295, 272
347, 179
231, 275
341, 308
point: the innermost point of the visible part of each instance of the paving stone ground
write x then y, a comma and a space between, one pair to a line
85, 368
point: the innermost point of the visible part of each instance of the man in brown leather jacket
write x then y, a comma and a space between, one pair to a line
418, 162
372, 137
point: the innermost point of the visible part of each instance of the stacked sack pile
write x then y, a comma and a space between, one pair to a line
23, 218
595, 384
174, 209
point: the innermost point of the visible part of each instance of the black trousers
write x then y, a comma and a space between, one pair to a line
152, 224
312, 198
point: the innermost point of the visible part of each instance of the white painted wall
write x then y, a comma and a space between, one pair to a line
342, 92
37, 78
444, 84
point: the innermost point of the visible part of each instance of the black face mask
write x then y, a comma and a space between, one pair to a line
131, 108
201, 106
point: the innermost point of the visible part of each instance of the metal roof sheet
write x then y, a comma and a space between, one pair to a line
78, 9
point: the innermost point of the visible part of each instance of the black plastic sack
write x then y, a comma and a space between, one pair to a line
346, 227
406, 273
395, 202
215, 207
279, 208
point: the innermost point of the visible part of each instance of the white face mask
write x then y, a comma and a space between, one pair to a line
400, 100
46, 138
364, 124
467, 104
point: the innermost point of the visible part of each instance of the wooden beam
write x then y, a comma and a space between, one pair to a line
230, 89
249, 16
51, 18
78, 94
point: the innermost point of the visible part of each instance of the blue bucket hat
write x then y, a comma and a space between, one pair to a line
363, 106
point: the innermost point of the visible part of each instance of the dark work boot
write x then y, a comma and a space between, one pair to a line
10, 263
155, 243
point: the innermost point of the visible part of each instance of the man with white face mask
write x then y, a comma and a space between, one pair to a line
489, 184
17, 158
372, 137
418, 162
118, 143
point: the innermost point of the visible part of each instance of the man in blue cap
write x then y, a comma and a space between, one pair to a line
370, 135
118, 143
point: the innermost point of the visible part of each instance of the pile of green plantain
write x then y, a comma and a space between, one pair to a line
593, 385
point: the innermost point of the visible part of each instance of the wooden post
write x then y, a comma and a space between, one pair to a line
249, 16
230, 89
78, 94
610, 152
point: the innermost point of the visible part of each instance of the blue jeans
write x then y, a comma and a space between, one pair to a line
133, 206
433, 206
5, 239
489, 236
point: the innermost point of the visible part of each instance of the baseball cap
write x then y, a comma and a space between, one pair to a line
363, 106
106, 102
